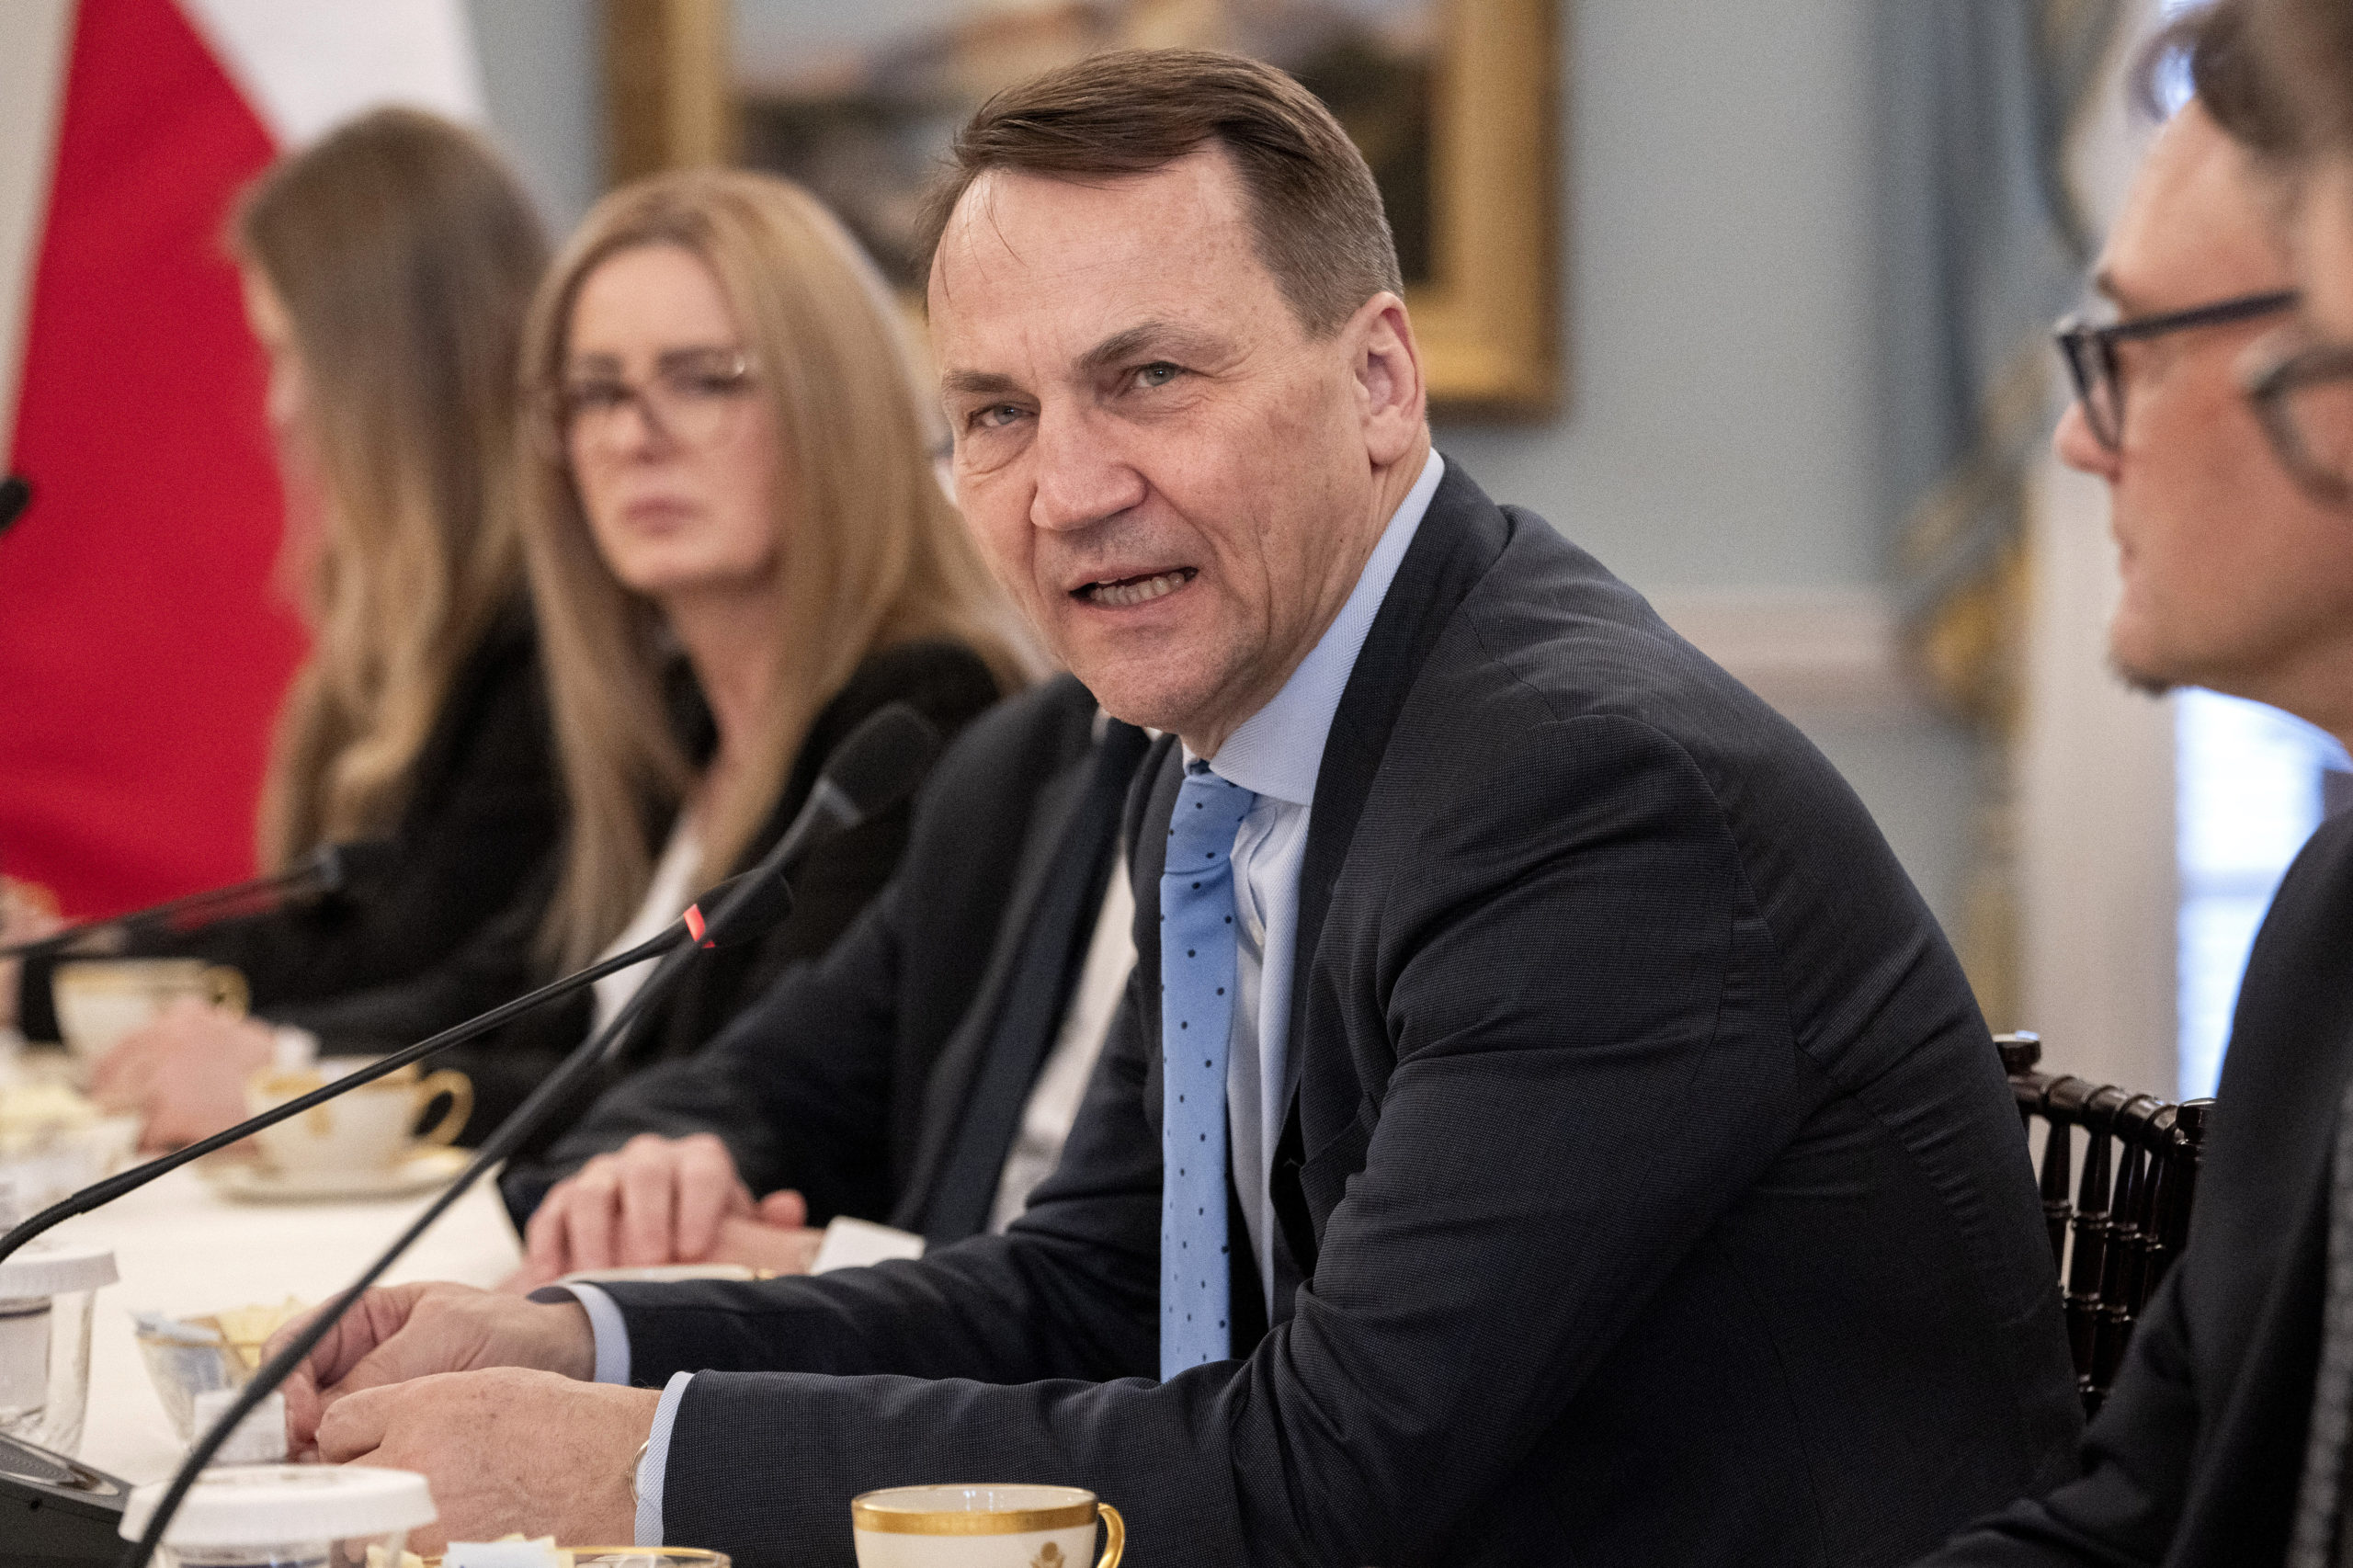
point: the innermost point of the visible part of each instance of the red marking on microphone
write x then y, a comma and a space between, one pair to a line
694, 925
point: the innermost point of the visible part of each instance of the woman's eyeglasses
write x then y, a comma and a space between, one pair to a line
689, 399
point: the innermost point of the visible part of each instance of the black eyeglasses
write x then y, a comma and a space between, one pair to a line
2090, 352
2302, 393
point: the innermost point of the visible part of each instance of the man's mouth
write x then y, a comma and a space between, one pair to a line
1119, 593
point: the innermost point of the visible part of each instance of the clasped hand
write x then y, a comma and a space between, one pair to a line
657, 1201
486, 1396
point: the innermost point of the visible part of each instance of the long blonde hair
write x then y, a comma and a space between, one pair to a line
405, 255
876, 555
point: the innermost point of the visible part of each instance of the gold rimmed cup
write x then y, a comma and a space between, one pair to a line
985, 1524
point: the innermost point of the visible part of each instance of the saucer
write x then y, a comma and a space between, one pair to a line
249, 1181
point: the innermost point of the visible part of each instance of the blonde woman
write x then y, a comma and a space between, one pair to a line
387, 272
739, 548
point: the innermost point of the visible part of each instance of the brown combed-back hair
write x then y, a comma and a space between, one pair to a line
1314, 211
405, 254
874, 553
2228, 74
2307, 45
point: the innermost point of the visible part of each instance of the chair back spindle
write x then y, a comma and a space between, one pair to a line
2116, 1228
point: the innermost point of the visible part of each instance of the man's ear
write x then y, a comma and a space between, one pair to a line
1394, 402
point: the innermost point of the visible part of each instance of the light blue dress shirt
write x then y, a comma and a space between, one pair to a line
1276, 753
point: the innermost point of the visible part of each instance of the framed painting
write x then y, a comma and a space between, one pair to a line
1455, 104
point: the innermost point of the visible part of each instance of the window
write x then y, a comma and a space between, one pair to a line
2249, 789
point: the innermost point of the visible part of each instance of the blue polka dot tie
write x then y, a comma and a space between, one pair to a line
1196, 1022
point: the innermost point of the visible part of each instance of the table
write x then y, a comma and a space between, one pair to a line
182, 1249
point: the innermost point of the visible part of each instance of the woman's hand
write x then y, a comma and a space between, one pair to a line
184, 1075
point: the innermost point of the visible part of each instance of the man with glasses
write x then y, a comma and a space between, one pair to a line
2209, 410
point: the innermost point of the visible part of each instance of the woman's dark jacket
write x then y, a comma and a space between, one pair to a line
946, 682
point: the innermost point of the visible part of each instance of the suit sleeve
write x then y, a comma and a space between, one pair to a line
1624, 1093
2137, 1457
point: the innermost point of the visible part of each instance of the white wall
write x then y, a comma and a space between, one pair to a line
543, 74
1719, 296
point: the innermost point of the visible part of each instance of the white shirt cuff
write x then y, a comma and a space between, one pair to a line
604, 1323
655, 1464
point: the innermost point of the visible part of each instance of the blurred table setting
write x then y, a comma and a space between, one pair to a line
207, 1240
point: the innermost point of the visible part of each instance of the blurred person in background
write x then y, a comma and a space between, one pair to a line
387, 271
2236, 554
739, 548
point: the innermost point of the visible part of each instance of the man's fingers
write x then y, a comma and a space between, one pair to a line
354, 1425
708, 1192
302, 1410
545, 1238
589, 1218
648, 1205
778, 1250
785, 1207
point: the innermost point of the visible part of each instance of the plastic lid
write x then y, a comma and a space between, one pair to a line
43, 1269
264, 1505
260, 1437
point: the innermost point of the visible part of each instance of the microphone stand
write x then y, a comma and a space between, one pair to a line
322, 872
575, 1070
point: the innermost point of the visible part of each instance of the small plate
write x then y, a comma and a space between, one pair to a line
249, 1181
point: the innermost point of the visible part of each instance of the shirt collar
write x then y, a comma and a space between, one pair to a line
1278, 750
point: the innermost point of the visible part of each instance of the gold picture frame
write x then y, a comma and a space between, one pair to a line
1487, 316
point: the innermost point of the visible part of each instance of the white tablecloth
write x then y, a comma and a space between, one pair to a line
181, 1249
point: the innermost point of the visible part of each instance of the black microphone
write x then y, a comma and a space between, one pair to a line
16, 495
332, 869
879, 765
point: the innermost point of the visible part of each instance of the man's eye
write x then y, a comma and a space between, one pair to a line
995, 416
1157, 375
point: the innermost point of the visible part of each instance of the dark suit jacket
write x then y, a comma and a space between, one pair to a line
1653, 1187
948, 685
849, 1078
2196, 1456
480, 818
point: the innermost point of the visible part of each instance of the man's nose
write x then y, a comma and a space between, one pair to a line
2078, 447
1082, 474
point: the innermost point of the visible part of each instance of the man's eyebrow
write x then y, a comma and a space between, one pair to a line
1158, 336
979, 383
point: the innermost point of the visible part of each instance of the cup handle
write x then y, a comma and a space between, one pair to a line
461, 1089
1115, 1536
225, 988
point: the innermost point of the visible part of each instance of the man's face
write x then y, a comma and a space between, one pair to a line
2233, 576
1175, 481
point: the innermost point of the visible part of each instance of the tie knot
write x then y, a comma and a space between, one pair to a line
1208, 809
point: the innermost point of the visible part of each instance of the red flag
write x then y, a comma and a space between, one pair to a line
144, 650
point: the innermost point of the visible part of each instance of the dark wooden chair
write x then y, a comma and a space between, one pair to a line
2118, 1227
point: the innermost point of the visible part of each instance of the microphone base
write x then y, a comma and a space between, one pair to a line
56, 1512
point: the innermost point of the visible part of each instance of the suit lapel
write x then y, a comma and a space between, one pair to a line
964, 1058
1459, 541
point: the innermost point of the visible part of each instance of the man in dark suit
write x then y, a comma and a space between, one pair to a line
2234, 579
901, 1078
1544, 1124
